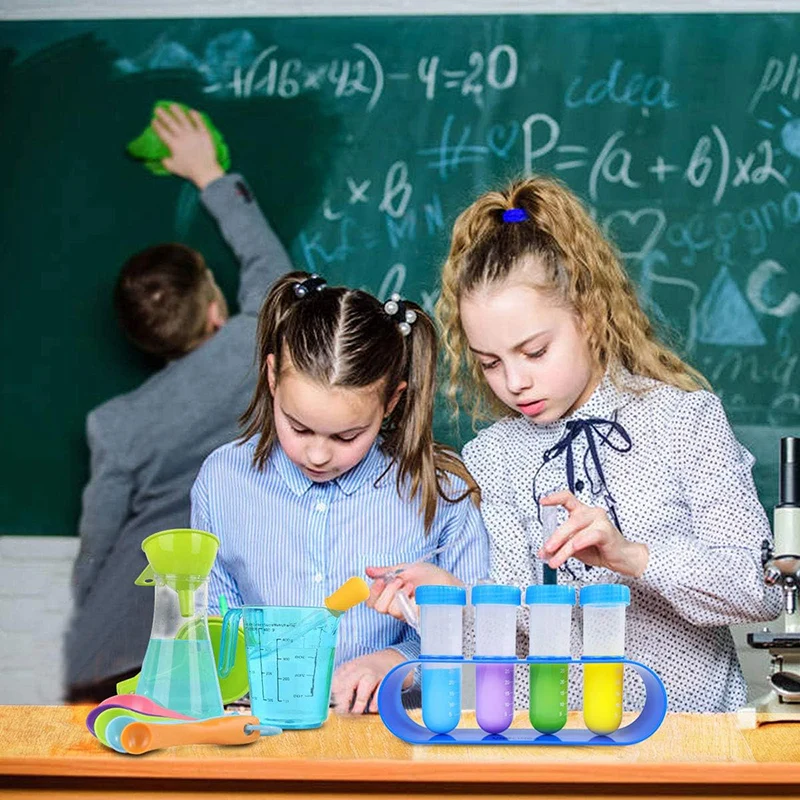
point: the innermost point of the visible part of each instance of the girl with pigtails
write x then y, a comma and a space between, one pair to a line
337, 470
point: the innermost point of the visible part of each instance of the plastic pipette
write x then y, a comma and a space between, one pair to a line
393, 573
352, 592
403, 600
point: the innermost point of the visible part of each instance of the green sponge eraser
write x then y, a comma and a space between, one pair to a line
151, 150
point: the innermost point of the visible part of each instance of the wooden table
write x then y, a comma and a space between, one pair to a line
46, 751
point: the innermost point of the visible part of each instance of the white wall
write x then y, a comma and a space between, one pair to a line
34, 610
101, 9
34, 571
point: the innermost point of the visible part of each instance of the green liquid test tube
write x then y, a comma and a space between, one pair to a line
550, 608
548, 696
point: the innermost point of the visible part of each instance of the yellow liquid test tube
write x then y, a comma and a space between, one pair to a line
602, 697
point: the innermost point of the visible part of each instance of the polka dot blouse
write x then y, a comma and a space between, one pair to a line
666, 466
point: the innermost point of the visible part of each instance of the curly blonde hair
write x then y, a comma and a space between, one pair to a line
579, 268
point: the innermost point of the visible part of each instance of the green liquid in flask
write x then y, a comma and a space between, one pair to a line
548, 696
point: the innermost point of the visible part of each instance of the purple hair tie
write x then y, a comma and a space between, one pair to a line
515, 215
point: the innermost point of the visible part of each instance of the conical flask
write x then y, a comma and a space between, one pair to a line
179, 669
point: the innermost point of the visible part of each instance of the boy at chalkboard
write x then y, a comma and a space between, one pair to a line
147, 445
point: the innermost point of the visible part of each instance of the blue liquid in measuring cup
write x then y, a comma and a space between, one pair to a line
180, 674
291, 687
441, 698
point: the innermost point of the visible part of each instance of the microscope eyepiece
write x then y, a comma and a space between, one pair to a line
789, 477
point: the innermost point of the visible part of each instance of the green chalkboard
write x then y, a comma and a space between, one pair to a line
363, 138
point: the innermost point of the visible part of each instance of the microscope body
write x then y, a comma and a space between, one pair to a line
782, 568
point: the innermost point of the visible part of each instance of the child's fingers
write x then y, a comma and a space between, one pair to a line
578, 521
197, 120
378, 572
589, 537
383, 604
167, 120
363, 693
341, 691
565, 498
425, 573
375, 590
164, 130
373, 703
181, 117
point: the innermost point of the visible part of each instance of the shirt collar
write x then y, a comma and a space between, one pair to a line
602, 402
370, 467
292, 475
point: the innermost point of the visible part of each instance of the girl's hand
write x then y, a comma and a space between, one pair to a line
383, 591
590, 536
193, 155
354, 688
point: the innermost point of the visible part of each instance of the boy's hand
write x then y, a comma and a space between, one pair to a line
194, 156
354, 688
590, 536
383, 591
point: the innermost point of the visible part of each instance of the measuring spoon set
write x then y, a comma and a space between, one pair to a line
132, 724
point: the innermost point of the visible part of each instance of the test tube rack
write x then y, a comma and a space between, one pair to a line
396, 719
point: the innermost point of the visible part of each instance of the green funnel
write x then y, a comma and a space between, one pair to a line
183, 559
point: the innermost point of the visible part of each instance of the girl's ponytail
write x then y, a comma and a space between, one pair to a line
409, 428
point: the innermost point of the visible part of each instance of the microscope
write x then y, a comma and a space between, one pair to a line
782, 568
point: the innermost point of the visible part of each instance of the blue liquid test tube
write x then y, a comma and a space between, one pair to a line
495, 643
441, 635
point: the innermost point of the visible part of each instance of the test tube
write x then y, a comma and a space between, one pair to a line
603, 642
440, 611
495, 642
550, 626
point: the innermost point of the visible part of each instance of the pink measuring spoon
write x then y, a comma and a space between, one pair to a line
133, 702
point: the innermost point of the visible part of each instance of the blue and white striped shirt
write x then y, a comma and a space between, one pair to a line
286, 540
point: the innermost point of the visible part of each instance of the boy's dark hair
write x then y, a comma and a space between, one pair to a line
162, 297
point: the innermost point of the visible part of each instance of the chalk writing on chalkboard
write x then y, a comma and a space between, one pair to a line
364, 138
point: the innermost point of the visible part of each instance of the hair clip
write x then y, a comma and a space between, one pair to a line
404, 317
515, 215
314, 283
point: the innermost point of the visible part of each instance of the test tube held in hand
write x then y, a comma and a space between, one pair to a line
495, 643
441, 634
550, 626
603, 639
549, 515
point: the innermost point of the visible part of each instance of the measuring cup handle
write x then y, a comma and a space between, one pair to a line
227, 642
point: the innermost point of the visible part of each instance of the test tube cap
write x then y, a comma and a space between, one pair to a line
605, 594
542, 594
440, 596
495, 594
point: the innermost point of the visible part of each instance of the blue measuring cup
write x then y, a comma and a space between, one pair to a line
290, 652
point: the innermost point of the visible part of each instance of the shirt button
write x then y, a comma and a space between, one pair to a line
318, 578
321, 506
578, 486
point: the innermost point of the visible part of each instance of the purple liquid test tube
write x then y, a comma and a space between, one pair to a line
495, 643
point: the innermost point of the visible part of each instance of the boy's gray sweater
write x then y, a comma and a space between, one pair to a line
148, 445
